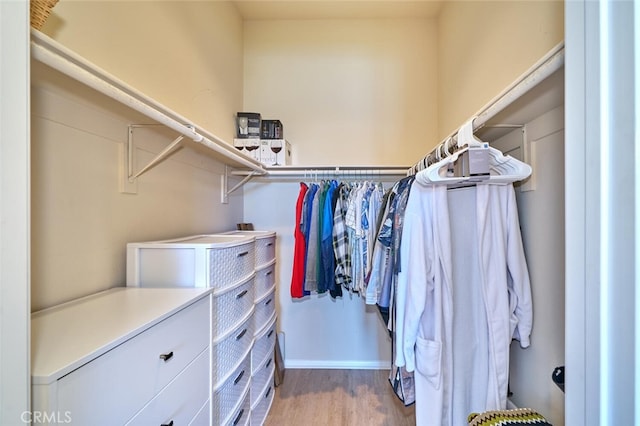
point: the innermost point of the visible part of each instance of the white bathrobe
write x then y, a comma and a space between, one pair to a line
463, 294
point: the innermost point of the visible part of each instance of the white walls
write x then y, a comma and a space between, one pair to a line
185, 54
347, 91
14, 212
189, 56
374, 92
541, 213
353, 91
320, 332
80, 221
483, 46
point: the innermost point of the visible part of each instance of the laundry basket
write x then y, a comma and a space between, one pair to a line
514, 417
40, 10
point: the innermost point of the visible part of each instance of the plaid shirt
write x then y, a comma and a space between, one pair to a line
341, 240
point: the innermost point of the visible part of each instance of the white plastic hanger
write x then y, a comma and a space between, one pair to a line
503, 169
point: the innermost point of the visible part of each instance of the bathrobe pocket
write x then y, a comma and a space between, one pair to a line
429, 361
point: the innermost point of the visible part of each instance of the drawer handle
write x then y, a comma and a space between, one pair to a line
242, 333
267, 302
268, 363
237, 420
166, 357
235, 382
269, 273
269, 334
241, 294
167, 424
266, 395
244, 253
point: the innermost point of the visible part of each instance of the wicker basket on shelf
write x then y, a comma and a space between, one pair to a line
40, 10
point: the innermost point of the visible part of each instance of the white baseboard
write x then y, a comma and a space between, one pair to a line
337, 365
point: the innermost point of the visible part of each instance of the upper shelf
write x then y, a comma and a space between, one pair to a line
58, 57
547, 94
537, 90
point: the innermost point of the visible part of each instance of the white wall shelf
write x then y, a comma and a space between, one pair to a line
58, 57
530, 95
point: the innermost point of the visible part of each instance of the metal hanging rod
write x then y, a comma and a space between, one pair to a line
547, 65
53, 54
348, 171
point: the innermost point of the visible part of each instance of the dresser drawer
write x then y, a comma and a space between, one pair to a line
180, 401
265, 311
202, 418
265, 243
230, 306
265, 279
265, 251
227, 397
260, 379
114, 386
229, 265
260, 409
215, 261
228, 353
241, 415
263, 345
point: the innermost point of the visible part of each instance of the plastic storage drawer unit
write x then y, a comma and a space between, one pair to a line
215, 261
265, 245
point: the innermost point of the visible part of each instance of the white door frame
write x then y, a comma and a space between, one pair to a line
602, 214
14, 212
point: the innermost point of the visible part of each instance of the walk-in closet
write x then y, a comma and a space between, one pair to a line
119, 169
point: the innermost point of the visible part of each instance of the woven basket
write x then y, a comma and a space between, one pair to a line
40, 10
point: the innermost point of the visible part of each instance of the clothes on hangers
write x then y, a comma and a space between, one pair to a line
337, 222
383, 274
341, 239
462, 295
299, 251
385, 264
365, 204
310, 282
445, 268
327, 259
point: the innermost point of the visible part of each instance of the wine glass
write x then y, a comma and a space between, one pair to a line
276, 147
238, 144
252, 144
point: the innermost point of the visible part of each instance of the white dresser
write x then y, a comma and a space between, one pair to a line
239, 267
125, 356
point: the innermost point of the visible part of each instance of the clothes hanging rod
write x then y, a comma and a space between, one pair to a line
547, 65
58, 57
349, 171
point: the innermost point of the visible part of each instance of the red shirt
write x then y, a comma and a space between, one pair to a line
299, 249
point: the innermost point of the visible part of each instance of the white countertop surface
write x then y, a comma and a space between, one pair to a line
67, 336
205, 240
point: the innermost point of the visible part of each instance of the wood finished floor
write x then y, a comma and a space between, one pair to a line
337, 398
